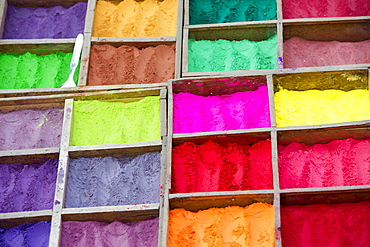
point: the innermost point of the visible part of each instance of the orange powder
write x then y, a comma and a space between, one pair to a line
229, 227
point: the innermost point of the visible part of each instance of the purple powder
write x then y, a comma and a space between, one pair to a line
41, 23
27, 187
34, 235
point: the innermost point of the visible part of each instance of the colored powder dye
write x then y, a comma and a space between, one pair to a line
338, 163
241, 110
225, 55
311, 107
96, 122
323, 225
231, 226
33, 235
208, 11
215, 167
306, 53
130, 65
27, 187
325, 8
109, 181
27, 129
131, 18
80, 234
42, 23
34, 71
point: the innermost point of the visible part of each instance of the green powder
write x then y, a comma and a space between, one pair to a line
225, 55
96, 122
34, 71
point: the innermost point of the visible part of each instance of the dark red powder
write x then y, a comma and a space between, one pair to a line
326, 225
221, 167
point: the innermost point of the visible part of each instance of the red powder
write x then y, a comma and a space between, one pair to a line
215, 167
325, 225
338, 163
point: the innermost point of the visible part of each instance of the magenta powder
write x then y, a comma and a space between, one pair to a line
241, 110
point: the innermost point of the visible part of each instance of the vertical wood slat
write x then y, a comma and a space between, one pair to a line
56, 222
85, 59
180, 23
185, 45
270, 87
163, 111
3, 11
89, 20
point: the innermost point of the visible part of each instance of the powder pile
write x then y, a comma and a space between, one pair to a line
241, 110
231, 226
130, 65
131, 18
109, 181
325, 8
26, 129
92, 233
311, 107
225, 55
338, 163
215, 167
34, 71
306, 53
27, 187
41, 23
323, 225
96, 122
208, 11
26, 235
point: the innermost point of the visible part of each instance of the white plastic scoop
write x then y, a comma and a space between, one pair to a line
74, 61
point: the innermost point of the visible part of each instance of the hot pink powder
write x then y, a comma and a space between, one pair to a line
215, 167
338, 163
241, 110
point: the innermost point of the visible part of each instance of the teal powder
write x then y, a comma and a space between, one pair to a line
222, 11
225, 55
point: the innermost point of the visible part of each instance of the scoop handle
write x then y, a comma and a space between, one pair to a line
76, 52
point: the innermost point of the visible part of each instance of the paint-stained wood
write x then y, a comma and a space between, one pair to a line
84, 62
28, 217
89, 20
44, 3
139, 42
163, 111
36, 46
3, 11
179, 41
29, 156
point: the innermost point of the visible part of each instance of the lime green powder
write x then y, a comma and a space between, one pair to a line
225, 55
34, 71
96, 122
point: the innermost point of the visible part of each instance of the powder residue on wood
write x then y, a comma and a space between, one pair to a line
241, 110
313, 107
26, 129
323, 225
221, 167
98, 122
129, 65
131, 18
231, 226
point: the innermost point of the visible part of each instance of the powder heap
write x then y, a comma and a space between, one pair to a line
26, 129
208, 11
311, 107
131, 18
231, 226
41, 23
130, 65
27, 187
338, 163
31, 235
241, 110
109, 181
306, 53
323, 225
34, 71
96, 122
225, 55
93, 233
215, 167
325, 8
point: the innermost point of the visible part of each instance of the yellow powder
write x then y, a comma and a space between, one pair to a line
312, 107
148, 18
230, 227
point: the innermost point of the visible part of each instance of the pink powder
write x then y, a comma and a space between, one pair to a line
326, 225
338, 163
241, 110
306, 53
215, 167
